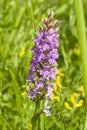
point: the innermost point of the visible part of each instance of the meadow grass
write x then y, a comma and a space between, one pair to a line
18, 22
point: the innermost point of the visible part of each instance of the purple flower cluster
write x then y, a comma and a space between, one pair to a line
43, 65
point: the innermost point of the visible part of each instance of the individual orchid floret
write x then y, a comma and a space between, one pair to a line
46, 109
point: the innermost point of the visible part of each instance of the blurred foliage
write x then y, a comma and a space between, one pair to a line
18, 22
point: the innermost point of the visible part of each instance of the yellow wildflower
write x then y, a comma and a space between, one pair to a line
80, 103
74, 102
54, 96
55, 88
57, 79
21, 53
66, 104
72, 97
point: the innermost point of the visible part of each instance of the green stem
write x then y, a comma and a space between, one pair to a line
39, 128
35, 116
38, 116
42, 120
83, 47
